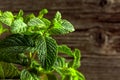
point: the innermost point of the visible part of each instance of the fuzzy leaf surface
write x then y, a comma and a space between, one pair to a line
36, 22
60, 26
60, 62
26, 75
47, 51
18, 26
65, 49
7, 18
8, 70
76, 61
13, 46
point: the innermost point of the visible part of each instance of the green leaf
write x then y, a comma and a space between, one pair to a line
36, 22
20, 14
67, 26
42, 13
47, 51
70, 74
28, 17
38, 30
58, 16
1, 13
60, 62
2, 30
7, 18
65, 49
1, 72
60, 26
18, 26
26, 75
8, 70
47, 22
12, 47
76, 61
80, 75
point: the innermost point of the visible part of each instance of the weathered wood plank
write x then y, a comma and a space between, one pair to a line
101, 67
74, 9
111, 6
100, 73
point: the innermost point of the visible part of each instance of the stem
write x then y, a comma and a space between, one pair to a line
34, 55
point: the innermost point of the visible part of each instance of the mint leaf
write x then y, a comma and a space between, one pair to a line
80, 75
58, 16
12, 47
18, 26
60, 26
26, 75
7, 18
60, 62
42, 13
20, 14
76, 61
67, 26
65, 49
28, 17
1, 13
2, 75
8, 70
36, 22
47, 51
47, 22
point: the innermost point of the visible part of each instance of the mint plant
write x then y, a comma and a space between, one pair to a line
30, 44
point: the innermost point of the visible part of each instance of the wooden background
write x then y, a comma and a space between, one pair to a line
97, 35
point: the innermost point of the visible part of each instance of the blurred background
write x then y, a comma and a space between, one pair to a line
97, 35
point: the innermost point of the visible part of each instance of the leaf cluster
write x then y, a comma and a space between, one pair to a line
31, 45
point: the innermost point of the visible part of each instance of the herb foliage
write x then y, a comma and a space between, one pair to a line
31, 45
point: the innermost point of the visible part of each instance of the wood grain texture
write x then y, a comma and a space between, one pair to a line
97, 35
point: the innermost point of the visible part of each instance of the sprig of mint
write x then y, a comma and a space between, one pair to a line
31, 45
